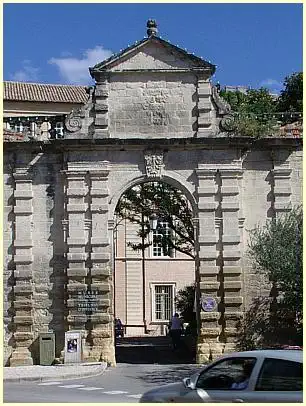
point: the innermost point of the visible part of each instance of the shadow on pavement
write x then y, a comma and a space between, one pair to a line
175, 374
152, 350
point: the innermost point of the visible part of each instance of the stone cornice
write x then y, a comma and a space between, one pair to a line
162, 143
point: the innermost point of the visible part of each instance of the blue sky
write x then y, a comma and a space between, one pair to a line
251, 44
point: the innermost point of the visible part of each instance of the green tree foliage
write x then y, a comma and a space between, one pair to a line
291, 98
253, 112
169, 205
276, 250
184, 302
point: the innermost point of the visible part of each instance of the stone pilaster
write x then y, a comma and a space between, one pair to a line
101, 271
204, 106
101, 108
208, 339
23, 259
231, 254
77, 269
281, 184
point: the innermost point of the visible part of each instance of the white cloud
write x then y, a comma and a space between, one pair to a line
273, 85
75, 71
26, 74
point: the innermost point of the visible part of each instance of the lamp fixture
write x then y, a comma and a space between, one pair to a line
153, 221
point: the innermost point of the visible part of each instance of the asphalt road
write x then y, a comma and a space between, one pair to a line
123, 384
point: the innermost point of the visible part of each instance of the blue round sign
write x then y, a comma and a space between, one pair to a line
209, 304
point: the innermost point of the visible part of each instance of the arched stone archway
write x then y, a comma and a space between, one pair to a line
216, 188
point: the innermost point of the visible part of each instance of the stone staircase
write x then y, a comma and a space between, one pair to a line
152, 350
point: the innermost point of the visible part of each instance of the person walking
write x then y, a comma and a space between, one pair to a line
176, 326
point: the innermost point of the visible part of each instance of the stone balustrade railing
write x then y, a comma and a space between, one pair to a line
43, 128
39, 128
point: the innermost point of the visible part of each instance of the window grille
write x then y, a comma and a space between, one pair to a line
59, 128
158, 249
18, 128
163, 302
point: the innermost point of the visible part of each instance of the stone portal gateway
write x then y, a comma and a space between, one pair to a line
153, 114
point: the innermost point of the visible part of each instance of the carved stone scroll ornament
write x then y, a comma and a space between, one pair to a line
154, 162
222, 105
228, 123
73, 121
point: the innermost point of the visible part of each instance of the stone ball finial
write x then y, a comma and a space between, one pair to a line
152, 28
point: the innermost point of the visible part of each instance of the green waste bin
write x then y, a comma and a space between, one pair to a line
46, 348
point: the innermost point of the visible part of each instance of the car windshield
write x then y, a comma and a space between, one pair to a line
228, 374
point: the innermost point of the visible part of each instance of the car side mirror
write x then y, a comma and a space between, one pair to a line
188, 383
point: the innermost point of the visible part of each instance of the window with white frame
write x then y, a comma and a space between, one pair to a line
162, 302
158, 248
59, 130
18, 127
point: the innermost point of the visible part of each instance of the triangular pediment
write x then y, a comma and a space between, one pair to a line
153, 54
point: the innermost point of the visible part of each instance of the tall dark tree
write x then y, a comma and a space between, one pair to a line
291, 97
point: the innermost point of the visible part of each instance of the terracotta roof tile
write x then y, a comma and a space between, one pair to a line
40, 92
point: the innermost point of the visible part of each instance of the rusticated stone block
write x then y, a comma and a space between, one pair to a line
22, 336
23, 304
42, 288
23, 289
23, 320
73, 191
76, 319
101, 120
205, 316
209, 286
21, 357
77, 272
101, 92
208, 333
95, 192
76, 242
232, 270
23, 274
23, 259
235, 300
102, 318
103, 242
101, 272
101, 107
76, 287
99, 208
208, 270
232, 285
77, 256
26, 243
100, 256
101, 287
233, 315
230, 331
101, 333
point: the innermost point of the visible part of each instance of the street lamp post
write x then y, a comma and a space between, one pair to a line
153, 219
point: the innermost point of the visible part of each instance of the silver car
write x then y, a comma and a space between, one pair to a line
249, 376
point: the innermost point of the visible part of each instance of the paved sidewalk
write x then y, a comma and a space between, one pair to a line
41, 373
